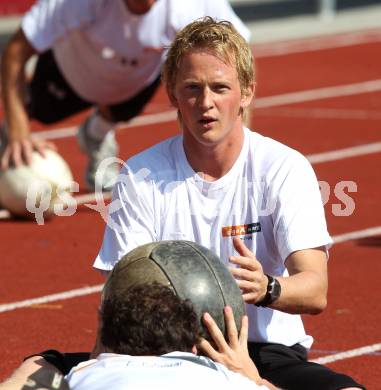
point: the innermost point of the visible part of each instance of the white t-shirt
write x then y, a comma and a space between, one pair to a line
170, 371
270, 198
106, 53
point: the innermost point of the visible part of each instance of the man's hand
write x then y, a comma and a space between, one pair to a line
19, 152
304, 291
249, 275
232, 354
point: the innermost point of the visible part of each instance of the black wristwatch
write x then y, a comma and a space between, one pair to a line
272, 293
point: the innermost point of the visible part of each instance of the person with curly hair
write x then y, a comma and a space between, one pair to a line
148, 338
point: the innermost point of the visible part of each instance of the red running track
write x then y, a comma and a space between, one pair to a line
57, 257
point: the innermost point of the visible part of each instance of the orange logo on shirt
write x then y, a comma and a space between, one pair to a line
241, 230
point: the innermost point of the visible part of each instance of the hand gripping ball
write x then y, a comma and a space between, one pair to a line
191, 270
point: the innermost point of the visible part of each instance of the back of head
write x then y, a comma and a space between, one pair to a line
148, 319
218, 37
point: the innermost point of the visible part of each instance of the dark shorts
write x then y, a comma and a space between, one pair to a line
288, 368
51, 98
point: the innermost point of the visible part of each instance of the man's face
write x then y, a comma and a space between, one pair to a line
139, 7
207, 93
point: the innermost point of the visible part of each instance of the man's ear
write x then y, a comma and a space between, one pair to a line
172, 98
194, 350
248, 96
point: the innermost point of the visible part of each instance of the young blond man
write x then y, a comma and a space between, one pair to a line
253, 201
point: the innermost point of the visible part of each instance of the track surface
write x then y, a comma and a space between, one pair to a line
38, 261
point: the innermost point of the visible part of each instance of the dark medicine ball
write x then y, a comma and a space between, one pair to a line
191, 270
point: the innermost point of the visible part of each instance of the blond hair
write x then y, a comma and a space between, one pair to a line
218, 37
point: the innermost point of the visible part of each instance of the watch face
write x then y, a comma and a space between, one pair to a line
275, 293
273, 289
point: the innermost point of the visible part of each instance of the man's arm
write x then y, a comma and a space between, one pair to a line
35, 373
13, 85
303, 291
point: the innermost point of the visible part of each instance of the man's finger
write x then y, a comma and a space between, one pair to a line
208, 350
231, 328
244, 332
5, 160
214, 331
247, 286
50, 145
27, 150
250, 297
42, 146
245, 267
241, 248
15, 157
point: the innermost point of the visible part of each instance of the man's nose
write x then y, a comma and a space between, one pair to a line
206, 99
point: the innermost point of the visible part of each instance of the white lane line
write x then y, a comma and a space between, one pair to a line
144, 120
93, 289
262, 102
356, 235
318, 94
89, 198
348, 354
340, 154
273, 49
319, 113
80, 200
63, 132
51, 298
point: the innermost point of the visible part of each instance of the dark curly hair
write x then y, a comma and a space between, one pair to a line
148, 319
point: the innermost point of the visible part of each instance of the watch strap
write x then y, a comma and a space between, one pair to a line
272, 292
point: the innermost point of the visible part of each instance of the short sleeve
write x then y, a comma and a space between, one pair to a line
130, 221
298, 219
49, 20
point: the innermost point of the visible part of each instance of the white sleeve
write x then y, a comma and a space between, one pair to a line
131, 218
299, 220
50, 20
184, 12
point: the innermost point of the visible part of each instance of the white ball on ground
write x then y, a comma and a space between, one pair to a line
36, 187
